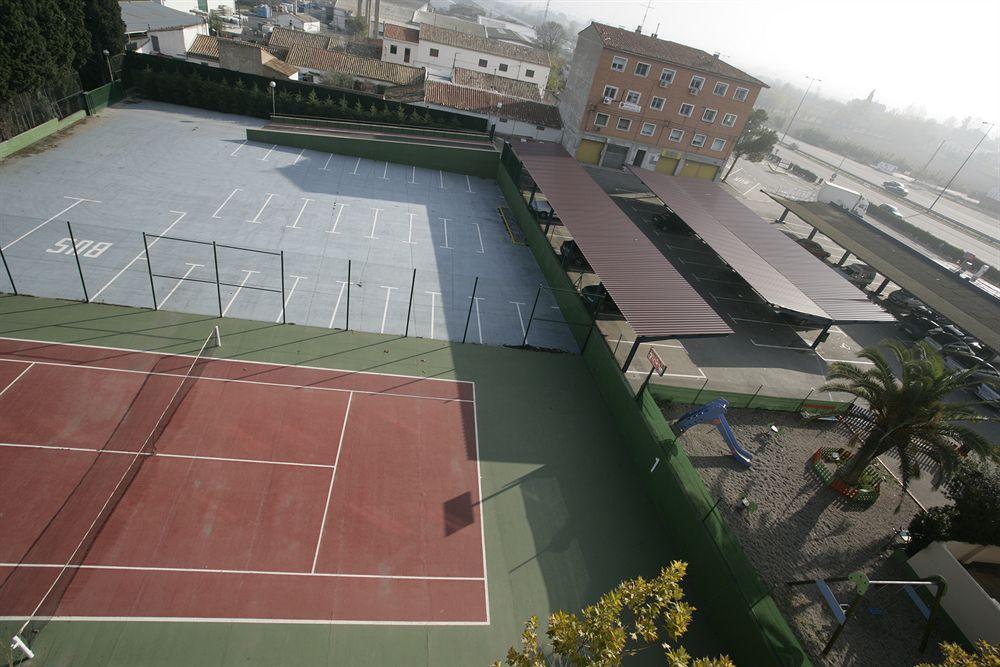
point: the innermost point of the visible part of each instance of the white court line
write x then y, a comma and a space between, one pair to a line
520, 318
42, 224
750, 190
19, 376
433, 294
333, 476
268, 154
295, 225
298, 157
479, 232
413, 176
191, 267
191, 457
242, 144
409, 239
446, 234
375, 212
327, 163
216, 214
340, 211
385, 311
441, 174
343, 284
141, 254
356, 165
482, 512
295, 283
479, 322
468, 183
229, 620
256, 218
248, 273
385, 173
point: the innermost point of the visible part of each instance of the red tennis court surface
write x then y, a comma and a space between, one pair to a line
275, 494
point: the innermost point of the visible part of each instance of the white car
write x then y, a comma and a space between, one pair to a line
988, 395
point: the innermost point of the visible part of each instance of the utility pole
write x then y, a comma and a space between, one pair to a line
792, 120
968, 157
933, 155
545, 16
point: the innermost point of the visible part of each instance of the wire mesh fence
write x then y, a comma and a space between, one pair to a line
62, 96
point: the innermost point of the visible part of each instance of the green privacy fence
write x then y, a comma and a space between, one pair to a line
721, 579
100, 98
758, 401
313, 121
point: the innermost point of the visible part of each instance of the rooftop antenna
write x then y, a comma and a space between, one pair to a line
545, 16
657, 31
648, 5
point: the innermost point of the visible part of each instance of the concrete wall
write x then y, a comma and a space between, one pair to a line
450, 57
400, 55
295, 23
975, 613
573, 102
974, 553
39, 132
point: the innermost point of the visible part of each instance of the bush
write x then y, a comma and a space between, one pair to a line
975, 491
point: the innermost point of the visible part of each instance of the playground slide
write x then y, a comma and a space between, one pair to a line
714, 412
739, 453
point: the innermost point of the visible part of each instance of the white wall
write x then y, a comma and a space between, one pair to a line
507, 127
449, 57
399, 56
976, 613
177, 42
190, 5
295, 23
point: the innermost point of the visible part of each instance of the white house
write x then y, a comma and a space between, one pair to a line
297, 21
169, 32
221, 6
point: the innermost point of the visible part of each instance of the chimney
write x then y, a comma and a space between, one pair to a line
656, 32
716, 55
638, 30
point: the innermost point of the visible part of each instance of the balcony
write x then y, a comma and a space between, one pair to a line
629, 106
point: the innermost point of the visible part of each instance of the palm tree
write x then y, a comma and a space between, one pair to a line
908, 414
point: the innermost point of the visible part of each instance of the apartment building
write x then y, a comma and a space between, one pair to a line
636, 99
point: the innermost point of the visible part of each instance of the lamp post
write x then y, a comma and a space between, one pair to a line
107, 58
789, 126
273, 86
968, 157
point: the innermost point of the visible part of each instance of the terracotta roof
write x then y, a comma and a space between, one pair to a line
496, 83
286, 38
401, 33
431, 33
464, 98
672, 52
205, 46
281, 67
368, 68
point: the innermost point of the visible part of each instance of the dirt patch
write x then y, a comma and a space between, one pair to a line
802, 530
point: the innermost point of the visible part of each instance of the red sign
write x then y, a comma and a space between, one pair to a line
656, 362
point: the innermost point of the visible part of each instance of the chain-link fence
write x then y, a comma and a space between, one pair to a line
59, 98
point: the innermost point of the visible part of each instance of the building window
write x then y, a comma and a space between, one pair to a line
610, 93
676, 134
618, 63
503, 67
656, 104
156, 42
741, 94
686, 110
601, 120
698, 140
718, 144
434, 53
392, 49
667, 76
697, 82
642, 69
632, 97
624, 124
482, 62
729, 120
721, 89
530, 73
709, 115
648, 129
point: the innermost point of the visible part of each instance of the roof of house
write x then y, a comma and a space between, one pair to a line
280, 66
506, 35
368, 68
401, 33
679, 54
305, 18
285, 38
438, 35
205, 46
144, 16
496, 83
465, 98
449, 22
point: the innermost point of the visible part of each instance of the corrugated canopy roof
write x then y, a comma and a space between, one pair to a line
778, 268
650, 292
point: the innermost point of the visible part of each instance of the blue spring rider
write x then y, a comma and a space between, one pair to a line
714, 412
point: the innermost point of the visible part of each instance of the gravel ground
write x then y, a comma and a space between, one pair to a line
801, 530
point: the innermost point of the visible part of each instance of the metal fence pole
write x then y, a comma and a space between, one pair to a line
750, 402
472, 302
347, 317
283, 321
218, 283
615, 353
538, 293
76, 255
7, 269
805, 399
149, 269
700, 390
409, 308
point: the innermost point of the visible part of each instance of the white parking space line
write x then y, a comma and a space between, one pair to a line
479, 232
433, 299
385, 311
340, 211
468, 183
413, 176
248, 273
327, 165
216, 214
385, 173
479, 322
859, 362
780, 347
676, 346
446, 246
343, 284
180, 281
295, 225
702, 376
268, 154
256, 218
298, 157
441, 174
40, 225
141, 255
356, 165
520, 318
375, 212
409, 239
295, 283
242, 144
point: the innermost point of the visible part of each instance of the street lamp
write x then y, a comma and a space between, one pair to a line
273, 86
107, 57
789, 126
969, 157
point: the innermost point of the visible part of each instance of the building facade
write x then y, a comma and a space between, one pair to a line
636, 99
296, 21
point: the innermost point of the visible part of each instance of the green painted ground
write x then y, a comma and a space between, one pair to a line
565, 516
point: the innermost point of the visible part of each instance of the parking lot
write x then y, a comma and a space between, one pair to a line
299, 236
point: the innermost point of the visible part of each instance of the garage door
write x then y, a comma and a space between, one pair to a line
698, 170
666, 165
589, 151
614, 156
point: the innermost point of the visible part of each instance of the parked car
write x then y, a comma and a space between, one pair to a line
859, 274
896, 188
918, 326
982, 370
596, 296
890, 211
904, 299
572, 256
988, 395
815, 249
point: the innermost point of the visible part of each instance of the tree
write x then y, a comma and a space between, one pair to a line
338, 79
103, 19
557, 80
908, 415
975, 493
637, 615
986, 655
357, 26
214, 24
756, 140
550, 36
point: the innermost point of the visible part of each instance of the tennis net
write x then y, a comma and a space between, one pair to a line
107, 467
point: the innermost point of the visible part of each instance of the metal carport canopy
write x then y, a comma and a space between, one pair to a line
784, 273
652, 295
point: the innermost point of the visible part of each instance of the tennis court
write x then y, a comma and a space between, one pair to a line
144, 486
